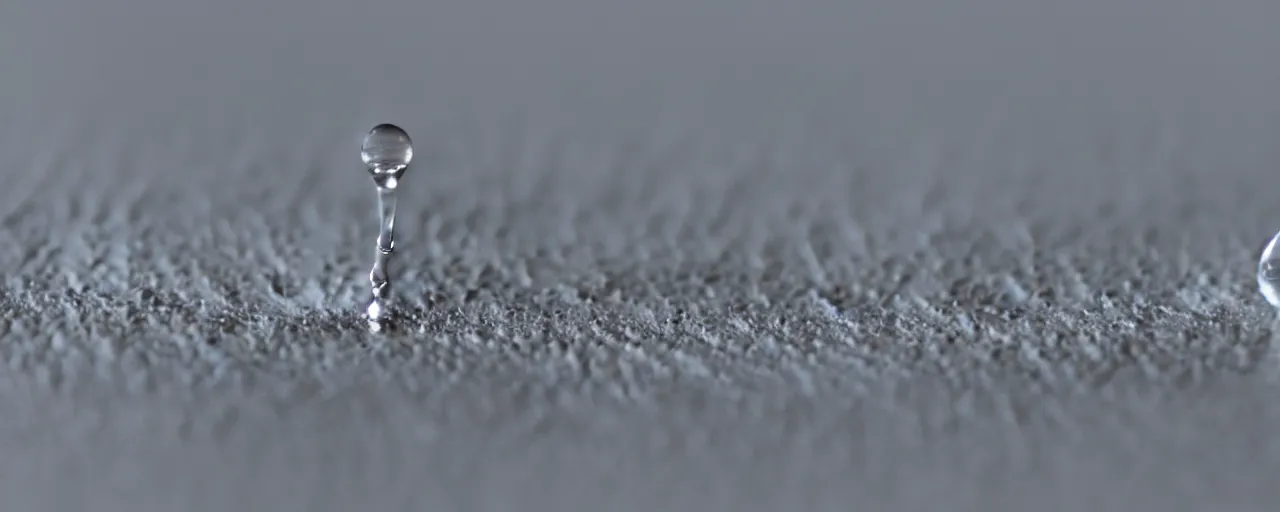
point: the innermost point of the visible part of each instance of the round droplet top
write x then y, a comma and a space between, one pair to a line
1269, 271
386, 148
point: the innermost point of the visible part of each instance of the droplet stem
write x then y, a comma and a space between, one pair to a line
386, 215
379, 279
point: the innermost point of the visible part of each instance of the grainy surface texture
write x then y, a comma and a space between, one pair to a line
669, 255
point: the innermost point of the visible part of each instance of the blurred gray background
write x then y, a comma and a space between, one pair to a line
664, 255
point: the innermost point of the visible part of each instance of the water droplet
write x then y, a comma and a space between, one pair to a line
387, 149
387, 152
1269, 272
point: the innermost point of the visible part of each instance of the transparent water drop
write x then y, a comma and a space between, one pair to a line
387, 149
1269, 271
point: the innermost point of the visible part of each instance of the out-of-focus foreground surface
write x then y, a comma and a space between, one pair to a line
749, 255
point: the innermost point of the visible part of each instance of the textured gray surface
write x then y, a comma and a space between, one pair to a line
980, 255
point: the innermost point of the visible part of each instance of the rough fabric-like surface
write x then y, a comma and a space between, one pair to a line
713, 255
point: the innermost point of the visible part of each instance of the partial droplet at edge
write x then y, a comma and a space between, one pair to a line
1269, 272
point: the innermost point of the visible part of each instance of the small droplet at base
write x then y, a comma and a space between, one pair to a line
378, 316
